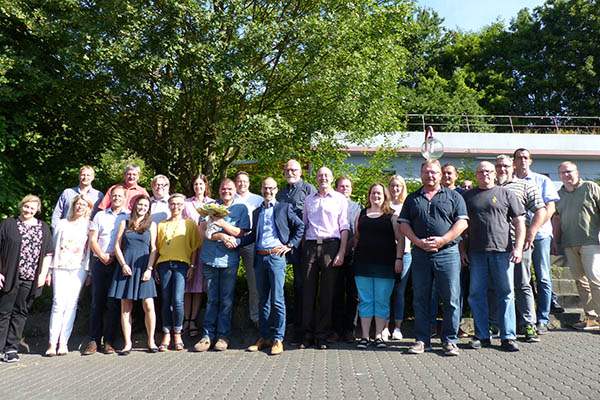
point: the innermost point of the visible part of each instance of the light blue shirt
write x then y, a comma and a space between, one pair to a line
549, 193
106, 223
266, 233
214, 252
63, 205
160, 210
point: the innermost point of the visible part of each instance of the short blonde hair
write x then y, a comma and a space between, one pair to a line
176, 196
75, 200
31, 198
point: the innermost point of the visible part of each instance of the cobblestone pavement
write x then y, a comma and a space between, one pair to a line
565, 364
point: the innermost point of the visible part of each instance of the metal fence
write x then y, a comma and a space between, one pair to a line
561, 124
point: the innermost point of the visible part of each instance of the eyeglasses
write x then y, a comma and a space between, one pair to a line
161, 185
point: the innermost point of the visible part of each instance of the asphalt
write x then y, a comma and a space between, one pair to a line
564, 365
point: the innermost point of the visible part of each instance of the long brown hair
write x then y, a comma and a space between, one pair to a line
385, 207
203, 178
144, 224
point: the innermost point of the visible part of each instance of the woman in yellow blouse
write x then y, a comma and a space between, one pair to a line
177, 241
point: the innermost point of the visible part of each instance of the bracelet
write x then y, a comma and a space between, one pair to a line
150, 269
398, 258
192, 266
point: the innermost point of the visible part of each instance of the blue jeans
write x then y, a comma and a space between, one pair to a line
400, 288
269, 271
543, 278
220, 288
494, 265
435, 298
102, 276
172, 282
444, 266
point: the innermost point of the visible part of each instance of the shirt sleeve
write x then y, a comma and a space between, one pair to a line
105, 202
343, 217
58, 210
515, 208
460, 208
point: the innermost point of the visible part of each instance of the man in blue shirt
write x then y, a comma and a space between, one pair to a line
86, 177
277, 230
546, 300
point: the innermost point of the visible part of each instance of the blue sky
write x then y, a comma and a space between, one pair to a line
475, 14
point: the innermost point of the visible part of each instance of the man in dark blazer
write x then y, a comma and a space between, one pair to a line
277, 230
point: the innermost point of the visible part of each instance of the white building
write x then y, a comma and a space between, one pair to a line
466, 150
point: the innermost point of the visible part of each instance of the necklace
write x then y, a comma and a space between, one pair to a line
170, 229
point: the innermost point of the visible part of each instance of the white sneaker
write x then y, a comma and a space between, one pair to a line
397, 334
385, 334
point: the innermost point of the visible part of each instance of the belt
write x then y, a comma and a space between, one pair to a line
266, 252
322, 241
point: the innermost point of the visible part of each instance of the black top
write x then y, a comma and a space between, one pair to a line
433, 217
375, 254
10, 249
490, 212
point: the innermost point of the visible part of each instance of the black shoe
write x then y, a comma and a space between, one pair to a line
321, 344
556, 308
479, 343
509, 345
306, 343
11, 357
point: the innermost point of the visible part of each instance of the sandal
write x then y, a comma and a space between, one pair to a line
380, 344
178, 344
364, 342
163, 347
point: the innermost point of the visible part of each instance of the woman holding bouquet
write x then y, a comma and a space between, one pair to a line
177, 241
221, 259
195, 287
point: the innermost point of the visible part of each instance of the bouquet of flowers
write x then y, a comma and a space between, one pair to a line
211, 211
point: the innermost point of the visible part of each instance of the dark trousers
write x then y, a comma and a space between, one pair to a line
319, 282
14, 310
295, 314
345, 300
102, 276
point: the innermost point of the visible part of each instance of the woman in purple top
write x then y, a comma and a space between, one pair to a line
195, 286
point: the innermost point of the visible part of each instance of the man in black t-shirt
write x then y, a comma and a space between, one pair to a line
491, 209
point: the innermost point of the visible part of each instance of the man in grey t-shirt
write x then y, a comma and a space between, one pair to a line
492, 254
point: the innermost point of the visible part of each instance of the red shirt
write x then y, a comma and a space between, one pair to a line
131, 193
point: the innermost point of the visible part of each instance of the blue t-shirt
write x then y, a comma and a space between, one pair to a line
215, 253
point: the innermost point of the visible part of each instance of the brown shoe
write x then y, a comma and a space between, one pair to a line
260, 344
202, 345
221, 344
277, 348
334, 337
108, 349
91, 348
462, 334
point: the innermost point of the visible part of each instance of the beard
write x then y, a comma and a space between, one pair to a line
502, 179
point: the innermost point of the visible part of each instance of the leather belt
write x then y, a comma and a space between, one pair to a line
266, 252
322, 241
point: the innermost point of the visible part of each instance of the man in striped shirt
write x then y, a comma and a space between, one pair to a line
529, 196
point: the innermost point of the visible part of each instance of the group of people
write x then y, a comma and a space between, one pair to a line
454, 243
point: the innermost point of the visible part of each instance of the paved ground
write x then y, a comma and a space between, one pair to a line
565, 364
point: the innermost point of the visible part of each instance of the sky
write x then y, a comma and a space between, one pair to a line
472, 15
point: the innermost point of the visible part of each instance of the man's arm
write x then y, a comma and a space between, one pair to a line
550, 210
539, 218
104, 257
557, 233
517, 254
339, 257
58, 210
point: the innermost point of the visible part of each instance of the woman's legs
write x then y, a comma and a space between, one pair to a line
126, 306
149, 320
76, 279
188, 299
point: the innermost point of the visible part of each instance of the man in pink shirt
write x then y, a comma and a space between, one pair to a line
130, 184
326, 233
